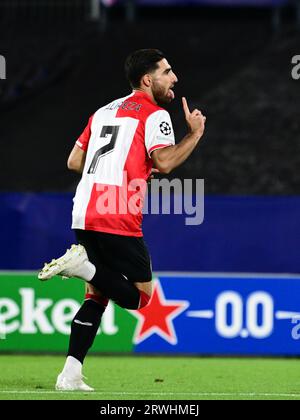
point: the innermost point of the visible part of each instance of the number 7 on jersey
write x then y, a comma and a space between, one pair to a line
112, 130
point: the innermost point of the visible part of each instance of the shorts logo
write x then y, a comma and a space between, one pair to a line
165, 128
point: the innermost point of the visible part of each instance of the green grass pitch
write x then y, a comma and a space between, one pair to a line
154, 378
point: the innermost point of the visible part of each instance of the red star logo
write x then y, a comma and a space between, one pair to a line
157, 317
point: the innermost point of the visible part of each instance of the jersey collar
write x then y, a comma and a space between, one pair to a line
144, 95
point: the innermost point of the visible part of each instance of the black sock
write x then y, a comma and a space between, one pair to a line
116, 287
84, 329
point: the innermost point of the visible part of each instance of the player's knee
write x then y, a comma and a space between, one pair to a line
89, 288
145, 287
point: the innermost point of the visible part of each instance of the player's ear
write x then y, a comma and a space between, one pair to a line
147, 80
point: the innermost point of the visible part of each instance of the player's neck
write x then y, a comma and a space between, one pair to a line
147, 92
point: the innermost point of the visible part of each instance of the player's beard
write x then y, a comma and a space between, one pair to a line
161, 94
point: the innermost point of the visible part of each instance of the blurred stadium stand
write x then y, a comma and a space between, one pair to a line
45, 9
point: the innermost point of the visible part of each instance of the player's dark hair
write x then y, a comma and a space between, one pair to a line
141, 62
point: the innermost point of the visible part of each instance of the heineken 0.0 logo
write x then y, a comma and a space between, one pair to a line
2, 68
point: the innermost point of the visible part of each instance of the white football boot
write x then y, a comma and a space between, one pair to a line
65, 266
66, 383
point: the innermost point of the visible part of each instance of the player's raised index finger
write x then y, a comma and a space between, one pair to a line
185, 107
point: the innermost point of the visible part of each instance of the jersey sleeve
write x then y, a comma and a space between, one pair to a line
83, 140
159, 131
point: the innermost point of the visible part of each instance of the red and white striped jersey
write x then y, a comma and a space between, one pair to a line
119, 140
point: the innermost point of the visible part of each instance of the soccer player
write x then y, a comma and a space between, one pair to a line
116, 154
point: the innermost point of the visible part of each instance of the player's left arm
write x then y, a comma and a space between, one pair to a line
76, 159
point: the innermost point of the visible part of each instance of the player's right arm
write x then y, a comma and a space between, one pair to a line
168, 158
76, 159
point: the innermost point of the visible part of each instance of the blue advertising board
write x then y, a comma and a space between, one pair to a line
238, 234
218, 314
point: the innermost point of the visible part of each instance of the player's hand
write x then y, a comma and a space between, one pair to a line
153, 171
195, 120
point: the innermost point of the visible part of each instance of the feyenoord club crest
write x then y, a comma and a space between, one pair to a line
165, 128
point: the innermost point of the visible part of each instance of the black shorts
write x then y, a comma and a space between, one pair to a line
124, 254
